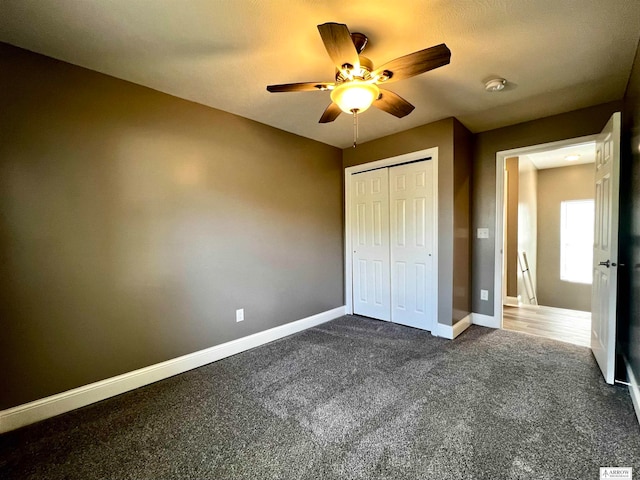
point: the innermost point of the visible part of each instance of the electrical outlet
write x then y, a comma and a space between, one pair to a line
483, 233
484, 294
240, 315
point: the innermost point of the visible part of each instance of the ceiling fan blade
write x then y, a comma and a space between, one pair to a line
393, 103
331, 113
415, 63
299, 87
340, 47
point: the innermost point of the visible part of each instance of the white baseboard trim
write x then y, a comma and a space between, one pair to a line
529, 306
47, 407
462, 325
513, 301
451, 332
485, 320
634, 389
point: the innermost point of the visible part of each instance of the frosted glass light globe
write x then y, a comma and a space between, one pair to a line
355, 95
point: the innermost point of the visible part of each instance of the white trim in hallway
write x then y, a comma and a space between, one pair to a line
513, 301
53, 405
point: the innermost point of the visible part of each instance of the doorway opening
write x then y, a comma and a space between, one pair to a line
546, 239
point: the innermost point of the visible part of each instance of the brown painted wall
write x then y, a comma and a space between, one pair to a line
629, 248
511, 252
586, 121
438, 134
133, 224
462, 179
556, 185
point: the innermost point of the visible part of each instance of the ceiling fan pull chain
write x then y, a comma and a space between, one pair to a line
355, 127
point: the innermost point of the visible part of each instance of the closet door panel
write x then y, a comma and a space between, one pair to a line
411, 244
370, 242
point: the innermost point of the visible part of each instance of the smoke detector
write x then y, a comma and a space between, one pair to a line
495, 84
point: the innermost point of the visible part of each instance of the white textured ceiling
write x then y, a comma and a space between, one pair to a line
558, 55
557, 157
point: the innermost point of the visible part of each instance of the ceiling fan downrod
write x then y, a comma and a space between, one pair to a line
359, 40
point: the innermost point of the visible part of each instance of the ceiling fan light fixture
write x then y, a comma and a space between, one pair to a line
495, 85
355, 96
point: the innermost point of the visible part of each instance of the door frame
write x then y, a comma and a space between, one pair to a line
500, 225
348, 257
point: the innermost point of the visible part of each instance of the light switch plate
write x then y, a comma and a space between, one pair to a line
483, 233
484, 294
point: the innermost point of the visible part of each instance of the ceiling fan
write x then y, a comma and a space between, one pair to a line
357, 81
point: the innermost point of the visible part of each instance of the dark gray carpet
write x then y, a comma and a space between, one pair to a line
351, 399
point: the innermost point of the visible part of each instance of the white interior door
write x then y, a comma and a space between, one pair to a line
411, 205
370, 242
605, 248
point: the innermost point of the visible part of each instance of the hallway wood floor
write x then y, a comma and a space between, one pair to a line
571, 326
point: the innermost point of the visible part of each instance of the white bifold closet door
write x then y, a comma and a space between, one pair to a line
370, 241
393, 244
411, 211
